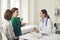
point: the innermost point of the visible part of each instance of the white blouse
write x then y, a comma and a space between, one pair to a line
8, 29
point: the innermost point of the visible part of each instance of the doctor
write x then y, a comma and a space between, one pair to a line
45, 25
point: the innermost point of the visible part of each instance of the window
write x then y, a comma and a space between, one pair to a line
22, 5
15, 3
3, 8
24, 10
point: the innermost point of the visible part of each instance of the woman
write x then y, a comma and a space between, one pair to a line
45, 26
7, 27
16, 22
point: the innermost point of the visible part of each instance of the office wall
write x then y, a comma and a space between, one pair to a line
36, 13
24, 10
50, 6
0, 13
31, 12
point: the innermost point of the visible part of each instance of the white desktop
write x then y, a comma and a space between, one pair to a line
29, 35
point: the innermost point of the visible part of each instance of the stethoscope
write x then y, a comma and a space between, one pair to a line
46, 21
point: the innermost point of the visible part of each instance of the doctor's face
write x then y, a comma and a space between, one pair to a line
42, 14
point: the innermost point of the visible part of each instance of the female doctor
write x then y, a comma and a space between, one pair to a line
45, 25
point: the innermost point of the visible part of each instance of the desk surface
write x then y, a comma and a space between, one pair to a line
31, 36
34, 37
51, 37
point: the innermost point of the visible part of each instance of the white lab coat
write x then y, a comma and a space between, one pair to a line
45, 26
8, 29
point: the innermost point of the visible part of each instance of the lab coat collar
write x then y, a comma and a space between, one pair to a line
44, 19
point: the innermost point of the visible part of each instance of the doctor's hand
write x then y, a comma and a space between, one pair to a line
36, 30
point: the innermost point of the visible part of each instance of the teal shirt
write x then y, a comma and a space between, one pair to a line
16, 23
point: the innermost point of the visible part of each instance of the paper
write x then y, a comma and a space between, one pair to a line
36, 35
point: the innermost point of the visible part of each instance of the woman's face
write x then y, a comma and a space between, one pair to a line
42, 14
16, 13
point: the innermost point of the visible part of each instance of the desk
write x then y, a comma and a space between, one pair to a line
30, 36
51, 37
27, 28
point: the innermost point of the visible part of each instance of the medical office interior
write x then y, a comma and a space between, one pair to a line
29, 11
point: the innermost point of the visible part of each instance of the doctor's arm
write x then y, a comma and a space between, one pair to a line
36, 29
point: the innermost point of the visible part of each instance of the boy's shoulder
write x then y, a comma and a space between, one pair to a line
15, 18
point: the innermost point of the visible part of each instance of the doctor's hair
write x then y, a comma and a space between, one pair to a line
8, 15
44, 11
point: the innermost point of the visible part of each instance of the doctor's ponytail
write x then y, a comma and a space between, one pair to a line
48, 16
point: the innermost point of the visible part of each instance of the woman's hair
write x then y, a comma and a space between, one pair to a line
14, 9
44, 11
8, 14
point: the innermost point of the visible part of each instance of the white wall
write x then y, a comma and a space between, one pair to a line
24, 10
0, 13
31, 12
49, 5
36, 5
36, 14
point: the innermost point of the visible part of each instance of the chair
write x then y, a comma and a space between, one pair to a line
57, 28
2, 36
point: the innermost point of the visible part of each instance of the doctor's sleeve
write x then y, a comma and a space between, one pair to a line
49, 26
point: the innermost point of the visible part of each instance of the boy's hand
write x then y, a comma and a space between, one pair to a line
23, 24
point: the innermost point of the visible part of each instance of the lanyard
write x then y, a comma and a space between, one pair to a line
45, 23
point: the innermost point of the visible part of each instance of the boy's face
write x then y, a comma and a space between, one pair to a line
16, 13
